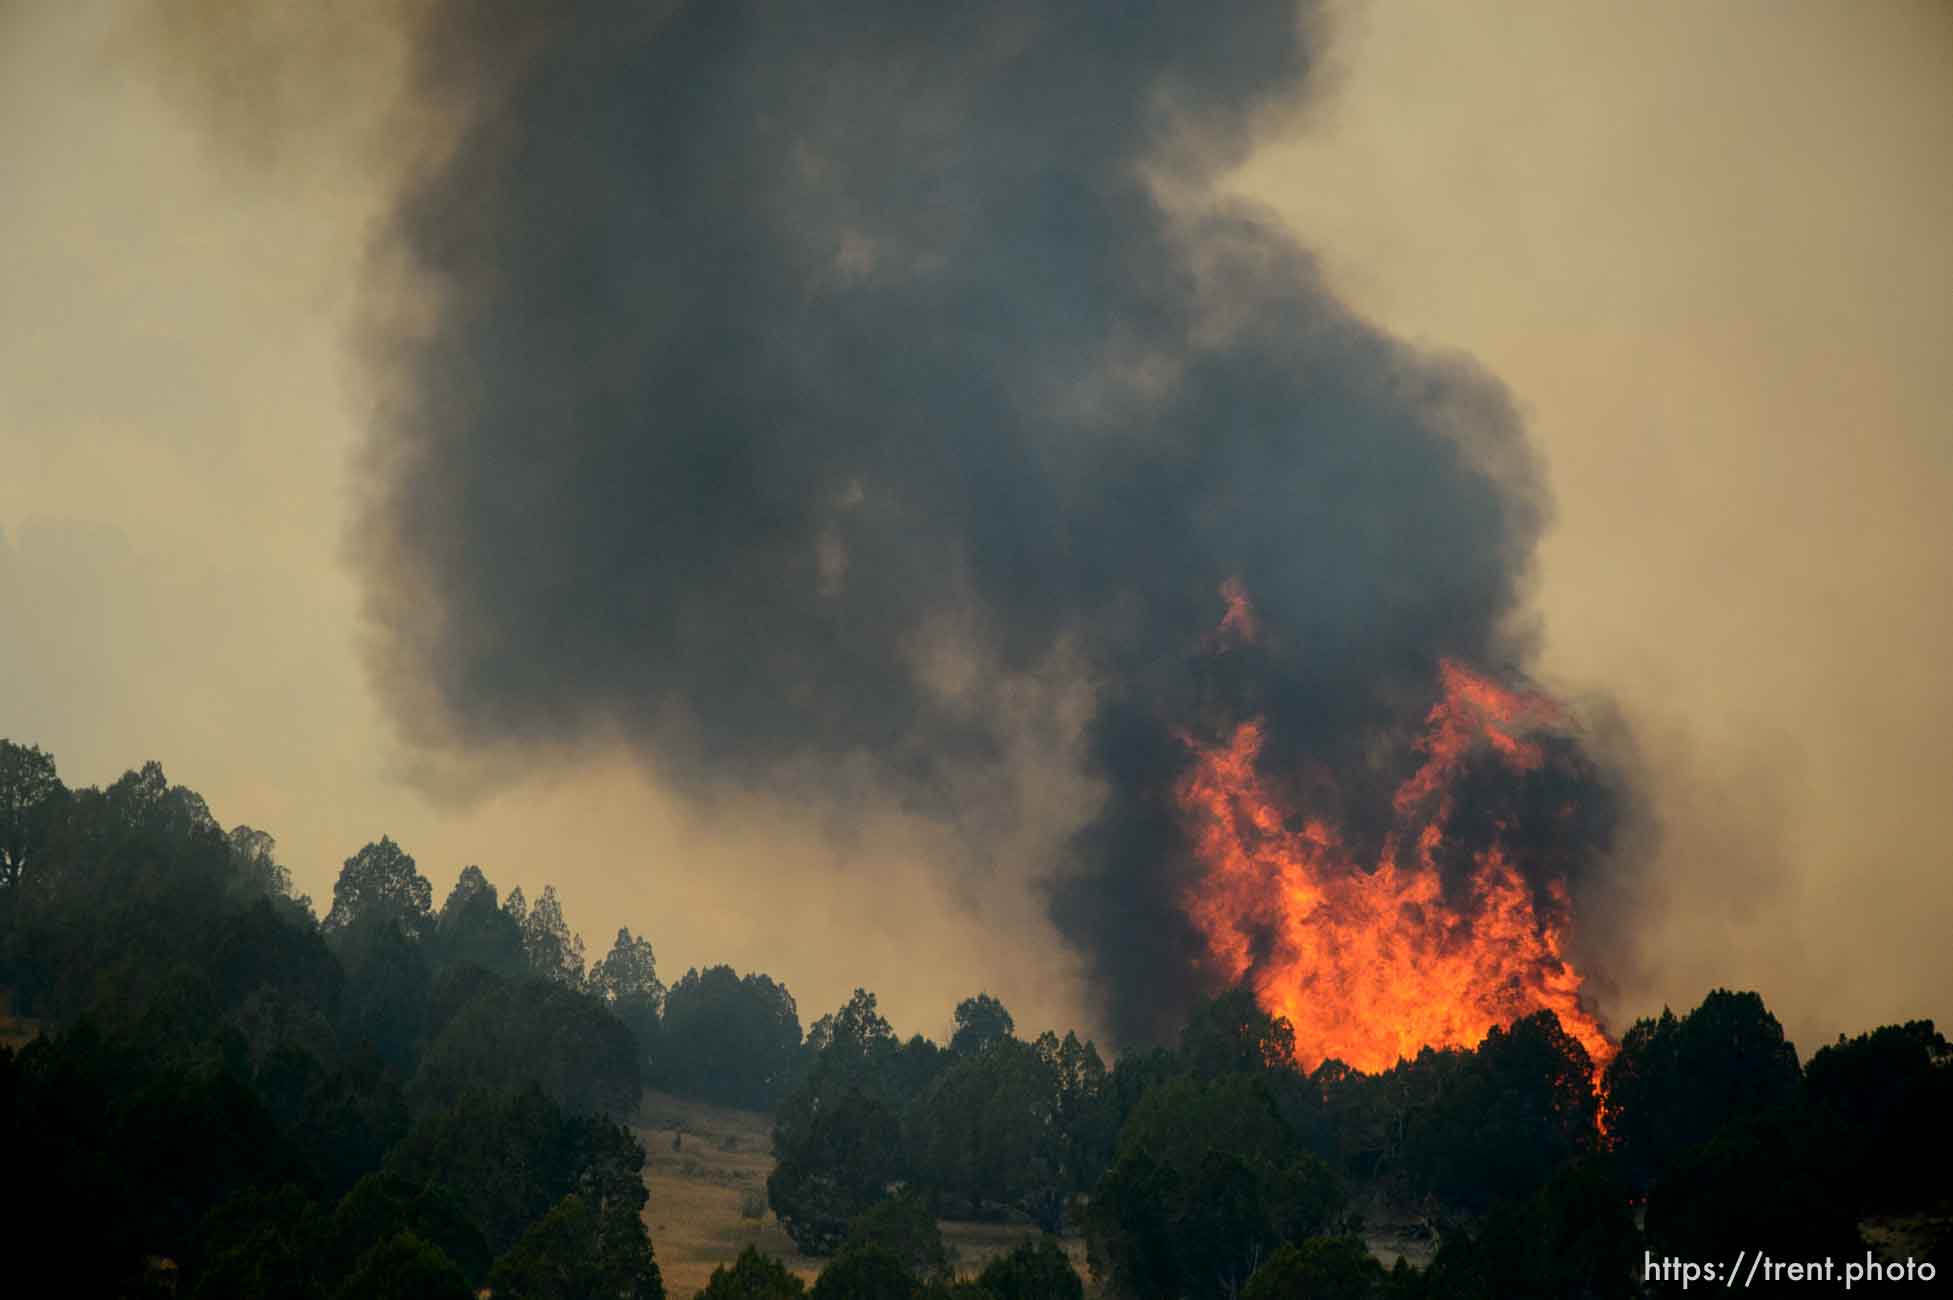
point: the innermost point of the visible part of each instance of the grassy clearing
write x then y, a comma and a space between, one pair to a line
718, 1168
705, 1165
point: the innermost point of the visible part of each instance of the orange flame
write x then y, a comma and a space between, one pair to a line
1372, 965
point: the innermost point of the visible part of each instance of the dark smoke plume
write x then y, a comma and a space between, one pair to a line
774, 340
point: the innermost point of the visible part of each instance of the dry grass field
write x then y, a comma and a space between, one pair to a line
702, 1187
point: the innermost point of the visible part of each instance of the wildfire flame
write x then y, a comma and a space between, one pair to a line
1370, 964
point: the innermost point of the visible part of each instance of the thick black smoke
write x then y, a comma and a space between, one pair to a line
775, 340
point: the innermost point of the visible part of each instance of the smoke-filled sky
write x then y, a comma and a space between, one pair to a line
354, 368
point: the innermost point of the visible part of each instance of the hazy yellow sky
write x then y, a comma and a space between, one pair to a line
1705, 245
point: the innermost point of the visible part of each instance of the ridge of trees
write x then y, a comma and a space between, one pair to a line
399, 1099
391, 1100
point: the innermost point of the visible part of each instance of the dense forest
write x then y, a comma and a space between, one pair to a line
221, 1094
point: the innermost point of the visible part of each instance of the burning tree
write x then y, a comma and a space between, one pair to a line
1454, 925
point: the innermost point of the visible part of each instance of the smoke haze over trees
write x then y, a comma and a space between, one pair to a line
780, 390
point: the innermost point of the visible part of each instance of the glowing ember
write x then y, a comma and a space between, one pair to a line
1370, 965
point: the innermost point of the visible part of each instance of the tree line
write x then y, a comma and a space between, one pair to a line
234, 1097
1217, 1169
237, 1097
